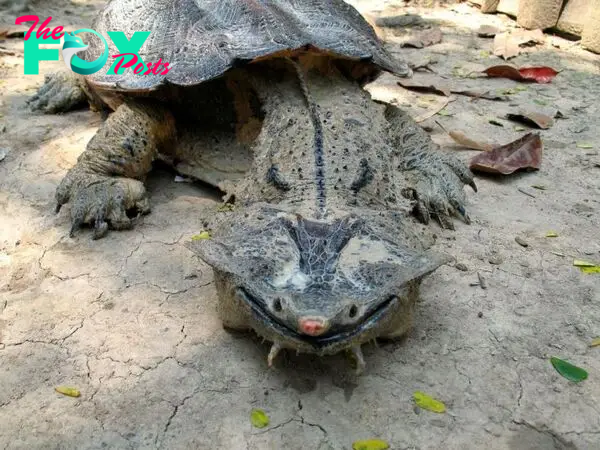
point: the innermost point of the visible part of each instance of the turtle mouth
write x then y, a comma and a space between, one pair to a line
334, 336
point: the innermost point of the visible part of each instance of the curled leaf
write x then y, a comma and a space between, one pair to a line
586, 266
69, 391
370, 444
462, 139
259, 418
200, 236
524, 153
537, 74
532, 119
429, 403
568, 370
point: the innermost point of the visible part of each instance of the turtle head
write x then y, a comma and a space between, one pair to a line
311, 285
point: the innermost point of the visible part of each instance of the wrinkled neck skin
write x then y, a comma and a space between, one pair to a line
319, 255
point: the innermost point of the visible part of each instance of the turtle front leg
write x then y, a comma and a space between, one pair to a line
436, 179
105, 184
61, 92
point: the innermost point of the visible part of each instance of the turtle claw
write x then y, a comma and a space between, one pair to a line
359, 359
275, 349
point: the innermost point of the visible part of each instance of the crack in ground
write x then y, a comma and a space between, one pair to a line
547, 431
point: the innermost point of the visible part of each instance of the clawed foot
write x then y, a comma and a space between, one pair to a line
61, 92
103, 202
438, 189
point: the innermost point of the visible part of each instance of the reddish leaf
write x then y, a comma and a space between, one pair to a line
524, 153
538, 74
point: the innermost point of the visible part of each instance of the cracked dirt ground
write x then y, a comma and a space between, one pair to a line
130, 320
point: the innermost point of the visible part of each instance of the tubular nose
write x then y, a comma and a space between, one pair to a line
313, 326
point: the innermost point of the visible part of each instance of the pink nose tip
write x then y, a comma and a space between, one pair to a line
312, 326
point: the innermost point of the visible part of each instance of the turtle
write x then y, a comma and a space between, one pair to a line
327, 243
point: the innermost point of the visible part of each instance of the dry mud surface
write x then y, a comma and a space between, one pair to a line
130, 320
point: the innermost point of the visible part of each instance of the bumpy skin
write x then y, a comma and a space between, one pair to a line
320, 254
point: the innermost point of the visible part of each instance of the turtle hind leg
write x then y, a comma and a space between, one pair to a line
61, 92
105, 184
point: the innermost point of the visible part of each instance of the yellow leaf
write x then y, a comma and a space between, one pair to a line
595, 342
580, 263
259, 418
551, 234
594, 269
584, 145
370, 444
201, 236
429, 403
70, 391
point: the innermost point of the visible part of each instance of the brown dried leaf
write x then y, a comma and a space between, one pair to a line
425, 39
414, 85
524, 153
532, 119
508, 45
460, 138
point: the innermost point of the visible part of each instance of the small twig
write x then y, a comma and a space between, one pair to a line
522, 191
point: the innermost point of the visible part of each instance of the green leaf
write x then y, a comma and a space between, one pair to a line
429, 403
259, 418
584, 145
66, 390
202, 235
370, 444
551, 234
569, 371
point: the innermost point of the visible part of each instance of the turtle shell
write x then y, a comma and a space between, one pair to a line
202, 39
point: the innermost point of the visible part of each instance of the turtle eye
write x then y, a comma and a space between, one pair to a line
353, 311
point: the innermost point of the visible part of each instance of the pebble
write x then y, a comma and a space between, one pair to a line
462, 267
522, 242
496, 260
3, 153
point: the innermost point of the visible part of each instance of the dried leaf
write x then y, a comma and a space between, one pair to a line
569, 371
433, 111
425, 38
495, 122
541, 187
259, 418
413, 85
462, 139
370, 444
66, 390
429, 403
524, 153
595, 342
532, 119
201, 236
551, 234
538, 74
508, 45
584, 145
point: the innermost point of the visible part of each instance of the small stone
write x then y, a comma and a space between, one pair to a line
3, 153
522, 242
482, 281
495, 259
480, 314
462, 267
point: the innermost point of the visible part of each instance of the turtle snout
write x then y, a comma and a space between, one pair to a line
313, 326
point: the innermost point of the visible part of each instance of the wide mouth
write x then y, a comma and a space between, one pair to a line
318, 342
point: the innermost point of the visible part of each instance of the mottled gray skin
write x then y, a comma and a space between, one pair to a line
320, 254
